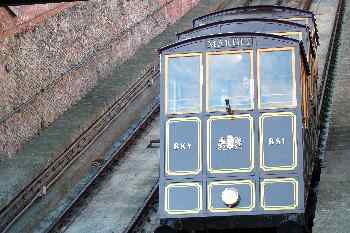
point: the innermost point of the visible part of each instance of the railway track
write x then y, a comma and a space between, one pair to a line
40, 185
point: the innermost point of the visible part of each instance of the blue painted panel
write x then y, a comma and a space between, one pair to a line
246, 190
279, 143
183, 146
280, 193
183, 198
230, 144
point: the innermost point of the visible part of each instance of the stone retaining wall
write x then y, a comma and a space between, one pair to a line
46, 69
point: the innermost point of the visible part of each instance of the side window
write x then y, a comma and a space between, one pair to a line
301, 20
276, 78
307, 95
229, 77
292, 35
183, 75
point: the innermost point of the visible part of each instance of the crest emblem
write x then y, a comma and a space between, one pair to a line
230, 143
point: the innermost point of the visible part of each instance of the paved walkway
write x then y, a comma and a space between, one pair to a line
333, 209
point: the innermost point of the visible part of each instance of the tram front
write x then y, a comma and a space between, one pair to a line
231, 125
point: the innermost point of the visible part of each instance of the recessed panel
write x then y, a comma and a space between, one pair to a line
246, 192
279, 194
230, 144
278, 147
183, 146
183, 198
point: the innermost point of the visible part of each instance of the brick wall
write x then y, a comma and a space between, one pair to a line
49, 63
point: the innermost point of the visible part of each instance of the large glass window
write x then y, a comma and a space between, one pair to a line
230, 78
276, 78
183, 84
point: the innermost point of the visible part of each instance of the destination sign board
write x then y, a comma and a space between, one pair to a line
233, 42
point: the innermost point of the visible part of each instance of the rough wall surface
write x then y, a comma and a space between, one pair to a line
45, 70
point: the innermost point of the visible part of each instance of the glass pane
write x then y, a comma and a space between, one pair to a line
184, 84
230, 78
299, 21
294, 36
291, 35
276, 79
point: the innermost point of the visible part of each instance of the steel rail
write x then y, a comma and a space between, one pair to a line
56, 168
115, 155
137, 220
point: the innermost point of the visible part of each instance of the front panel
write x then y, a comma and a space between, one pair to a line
216, 192
278, 145
183, 198
230, 144
231, 140
183, 146
279, 194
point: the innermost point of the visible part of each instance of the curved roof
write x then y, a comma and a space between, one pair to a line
276, 10
286, 25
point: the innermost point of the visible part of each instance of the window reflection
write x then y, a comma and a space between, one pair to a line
302, 21
229, 77
277, 88
183, 84
292, 35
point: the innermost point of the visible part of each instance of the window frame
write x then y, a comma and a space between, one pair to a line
307, 87
294, 92
166, 81
207, 77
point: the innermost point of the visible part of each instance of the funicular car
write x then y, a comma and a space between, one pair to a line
237, 148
